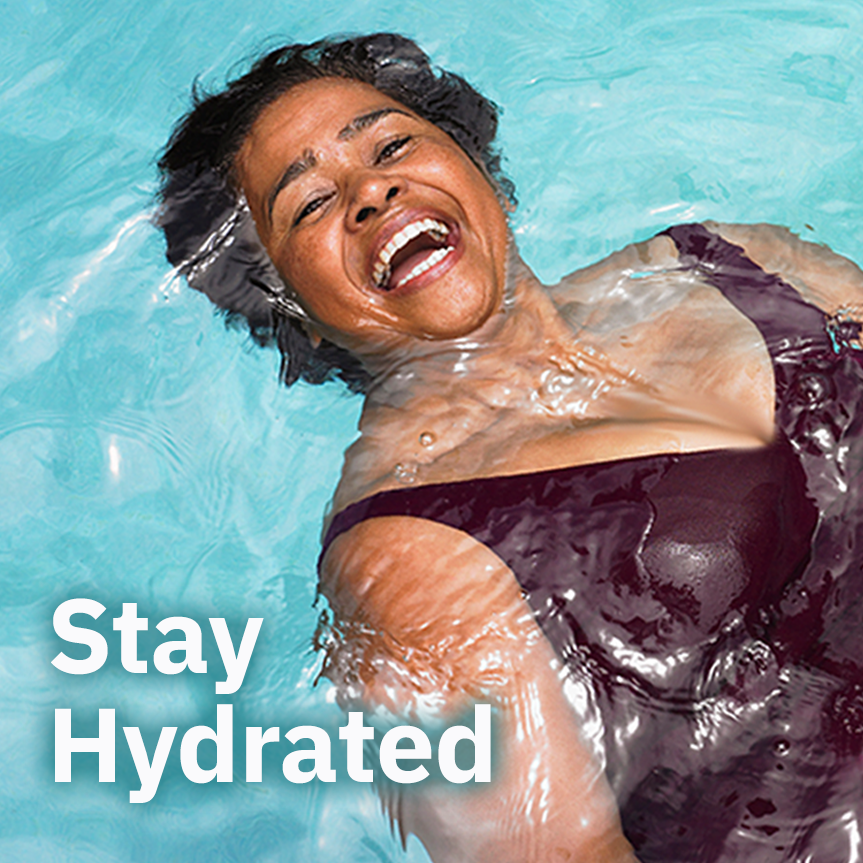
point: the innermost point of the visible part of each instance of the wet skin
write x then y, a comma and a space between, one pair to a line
351, 192
363, 167
332, 171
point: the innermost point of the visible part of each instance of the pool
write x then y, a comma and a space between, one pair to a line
146, 453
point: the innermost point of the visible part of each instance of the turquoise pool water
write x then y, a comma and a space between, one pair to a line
147, 454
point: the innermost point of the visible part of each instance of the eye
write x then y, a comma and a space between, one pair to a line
391, 148
311, 207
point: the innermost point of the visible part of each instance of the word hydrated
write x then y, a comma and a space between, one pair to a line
391, 752
398, 745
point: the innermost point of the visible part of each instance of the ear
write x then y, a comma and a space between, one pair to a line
506, 203
313, 334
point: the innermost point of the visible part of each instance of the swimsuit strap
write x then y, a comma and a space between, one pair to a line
782, 316
815, 356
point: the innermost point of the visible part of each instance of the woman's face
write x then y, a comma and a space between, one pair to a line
375, 217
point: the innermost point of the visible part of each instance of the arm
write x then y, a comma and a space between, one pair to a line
445, 623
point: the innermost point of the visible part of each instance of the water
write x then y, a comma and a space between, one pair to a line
146, 453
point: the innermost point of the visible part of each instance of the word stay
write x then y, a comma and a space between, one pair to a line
236, 661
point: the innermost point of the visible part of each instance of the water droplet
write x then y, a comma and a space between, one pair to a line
406, 473
781, 747
427, 439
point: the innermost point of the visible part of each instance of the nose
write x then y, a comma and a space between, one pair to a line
373, 194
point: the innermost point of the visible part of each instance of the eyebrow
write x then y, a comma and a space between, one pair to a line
308, 161
365, 120
296, 169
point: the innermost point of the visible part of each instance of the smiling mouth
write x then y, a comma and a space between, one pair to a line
414, 250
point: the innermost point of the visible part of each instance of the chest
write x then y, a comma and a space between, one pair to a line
694, 376
644, 558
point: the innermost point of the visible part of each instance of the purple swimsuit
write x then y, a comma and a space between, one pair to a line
713, 601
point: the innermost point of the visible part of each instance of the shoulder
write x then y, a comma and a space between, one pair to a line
419, 607
593, 283
410, 577
822, 277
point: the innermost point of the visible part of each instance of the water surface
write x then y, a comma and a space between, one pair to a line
147, 454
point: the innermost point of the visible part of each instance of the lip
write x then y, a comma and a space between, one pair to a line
393, 226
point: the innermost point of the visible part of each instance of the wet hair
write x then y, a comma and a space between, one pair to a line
210, 235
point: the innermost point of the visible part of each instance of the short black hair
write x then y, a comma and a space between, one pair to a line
210, 235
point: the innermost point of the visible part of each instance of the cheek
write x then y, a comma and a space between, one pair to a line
315, 270
464, 181
481, 205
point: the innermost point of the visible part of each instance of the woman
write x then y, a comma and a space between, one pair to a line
623, 510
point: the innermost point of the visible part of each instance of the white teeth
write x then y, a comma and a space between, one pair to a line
438, 231
429, 262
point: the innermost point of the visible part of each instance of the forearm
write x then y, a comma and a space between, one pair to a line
548, 799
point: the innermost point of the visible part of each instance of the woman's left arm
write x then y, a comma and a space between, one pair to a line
823, 278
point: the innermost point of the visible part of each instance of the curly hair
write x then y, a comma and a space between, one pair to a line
210, 235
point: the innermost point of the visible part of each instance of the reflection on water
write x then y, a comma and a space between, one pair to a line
147, 455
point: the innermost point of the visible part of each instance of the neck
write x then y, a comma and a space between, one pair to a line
526, 329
